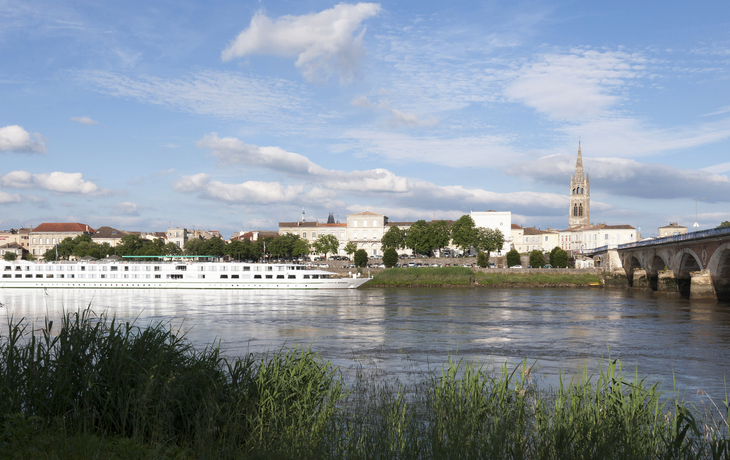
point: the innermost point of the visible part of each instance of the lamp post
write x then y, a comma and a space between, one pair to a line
696, 225
638, 229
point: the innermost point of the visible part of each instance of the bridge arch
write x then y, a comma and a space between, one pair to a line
719, 268
630, 264
654, 266
685, 262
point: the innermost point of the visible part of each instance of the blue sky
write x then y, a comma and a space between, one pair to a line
236, 115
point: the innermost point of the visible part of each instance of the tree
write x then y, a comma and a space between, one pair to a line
350, 248
390, 257
559, 259
488, 240
537, 260
417, 238
215, 247
552, 255
393, 238
464, 233
326, 244
171, 249
725, 224
30, 257
300, 247
439, 233
361, 258
10, 256
194, 247
513, 258
482, 259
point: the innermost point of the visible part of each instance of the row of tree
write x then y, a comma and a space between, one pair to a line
426, 238
558, 258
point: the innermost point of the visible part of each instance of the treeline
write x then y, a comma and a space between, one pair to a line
426, 238
285, 246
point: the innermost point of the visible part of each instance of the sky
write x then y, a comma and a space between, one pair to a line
237, 115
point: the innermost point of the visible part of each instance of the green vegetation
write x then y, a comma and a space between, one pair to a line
424, 276
544, 279
482, 259
326, 244
537, 260
98, 388
558, 257
513, 258
350, 248
390, 258
724, 224
10, 256
394, 238
361, 258
464, 232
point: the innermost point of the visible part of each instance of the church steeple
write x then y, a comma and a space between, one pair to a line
579, 212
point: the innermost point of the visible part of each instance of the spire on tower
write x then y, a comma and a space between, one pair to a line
579, 165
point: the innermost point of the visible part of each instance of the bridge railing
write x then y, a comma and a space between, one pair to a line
588, 252
678, 238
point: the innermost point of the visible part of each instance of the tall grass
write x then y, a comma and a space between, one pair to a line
543, 279
424, 276
99, 388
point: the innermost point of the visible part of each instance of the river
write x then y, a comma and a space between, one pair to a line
405, 332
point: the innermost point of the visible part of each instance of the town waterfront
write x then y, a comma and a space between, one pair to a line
405, 332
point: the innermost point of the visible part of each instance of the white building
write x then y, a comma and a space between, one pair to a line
596, 236
496, 220
529, 239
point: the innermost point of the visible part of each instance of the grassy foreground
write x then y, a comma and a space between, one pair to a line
97, 388
463, 276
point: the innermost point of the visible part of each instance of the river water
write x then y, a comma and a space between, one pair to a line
405, 332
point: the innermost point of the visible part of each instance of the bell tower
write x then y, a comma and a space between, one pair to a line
579, 213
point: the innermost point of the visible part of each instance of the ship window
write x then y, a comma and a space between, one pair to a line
211, 269
59, 268
19, 275
126, 276
268, 277
223, 268
181, 267
280, 277
126, 268
234, 268
257, 277
29, 276
158, 276
8, 268
103, 269
269, 268
324, 276
234, 276
291, 277
224, 276
176, 276
103, 276
201, 276
18, 268
314, 277
7, 275
157, 268
114, 268
39, 276
306, 277
60, 276
49, 275
246, 268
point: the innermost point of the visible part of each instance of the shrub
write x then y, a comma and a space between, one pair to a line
482, 259
390, 257
537, 259
513, 258
10, 256
361, 258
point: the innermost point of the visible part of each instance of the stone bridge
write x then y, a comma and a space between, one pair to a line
697, 265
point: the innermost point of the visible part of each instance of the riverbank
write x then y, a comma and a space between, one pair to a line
98, 388
467, 277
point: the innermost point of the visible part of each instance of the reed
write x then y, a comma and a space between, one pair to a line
532, 279
100, 388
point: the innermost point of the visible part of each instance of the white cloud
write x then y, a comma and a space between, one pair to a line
230, 150
573, 86
14, 138
227, 95
626, 177
324, 42
9, 197
720, 111
194, 183
362, 101
57, 182
84, 120
399, 118
126, 208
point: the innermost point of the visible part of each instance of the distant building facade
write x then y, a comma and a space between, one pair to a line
47, 235
673, 229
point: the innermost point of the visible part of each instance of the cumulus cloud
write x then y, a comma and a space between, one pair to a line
399, 118
625, 177
84, 120
194, 183
573, 86
14, 138
57, 182
362, 101
230, 150
6, 198
324, 43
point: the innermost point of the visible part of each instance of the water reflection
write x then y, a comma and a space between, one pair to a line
418, 328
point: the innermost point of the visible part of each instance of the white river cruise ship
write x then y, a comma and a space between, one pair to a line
169, 273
